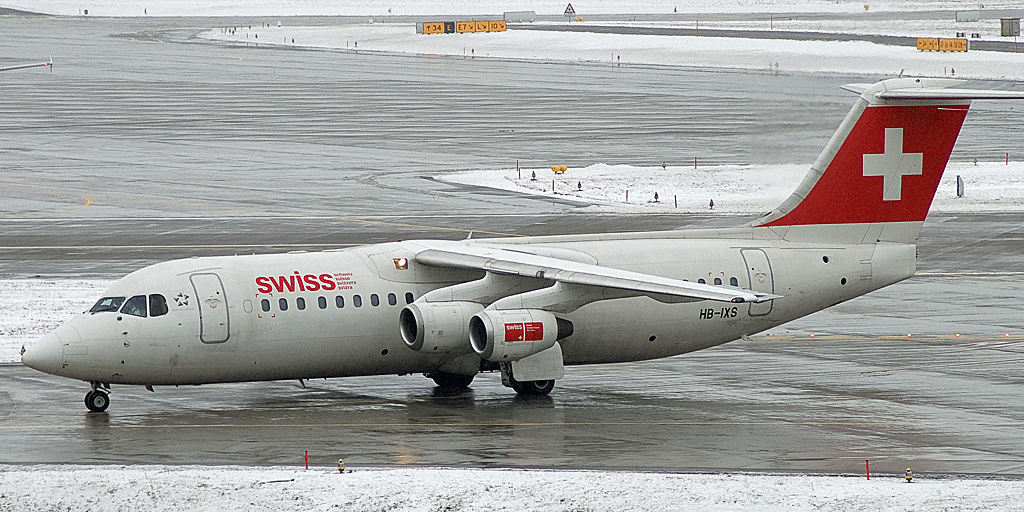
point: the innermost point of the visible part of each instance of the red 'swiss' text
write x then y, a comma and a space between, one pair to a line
296, 283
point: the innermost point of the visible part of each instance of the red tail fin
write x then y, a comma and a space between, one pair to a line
877, 177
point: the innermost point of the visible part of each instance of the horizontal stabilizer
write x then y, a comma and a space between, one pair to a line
931, 89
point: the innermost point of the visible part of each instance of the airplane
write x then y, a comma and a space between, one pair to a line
530, 306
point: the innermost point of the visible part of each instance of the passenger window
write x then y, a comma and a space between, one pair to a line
135, 306
107, 304
392, 300
733, 281
409, 298
339, 301
300, 303
357, 301
718, 280
157, 305
322, 302
265, 304
283, 304
701, 281
374, 300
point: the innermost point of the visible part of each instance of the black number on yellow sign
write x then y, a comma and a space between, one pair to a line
433, 28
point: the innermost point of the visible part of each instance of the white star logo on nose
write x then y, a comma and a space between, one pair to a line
893, 165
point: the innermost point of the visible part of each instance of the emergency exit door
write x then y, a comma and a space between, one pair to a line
759, 272
213, 307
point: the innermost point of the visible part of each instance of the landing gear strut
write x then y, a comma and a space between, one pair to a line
98, 399
531, 387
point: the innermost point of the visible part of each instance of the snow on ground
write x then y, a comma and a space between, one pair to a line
30, 308
947, 26
277, 489
754, 189
782, 56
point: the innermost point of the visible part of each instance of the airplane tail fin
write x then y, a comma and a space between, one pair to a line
877, 176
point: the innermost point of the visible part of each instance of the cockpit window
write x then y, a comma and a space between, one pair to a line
107, 304
157, 305
135, 306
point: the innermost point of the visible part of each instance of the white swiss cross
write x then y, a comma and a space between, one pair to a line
893, 165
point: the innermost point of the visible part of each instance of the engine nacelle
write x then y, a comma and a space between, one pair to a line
437, 327
512, 334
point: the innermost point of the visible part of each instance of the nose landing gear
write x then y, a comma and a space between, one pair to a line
98, 399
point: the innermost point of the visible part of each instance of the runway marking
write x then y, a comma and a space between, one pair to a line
285, 217
259, 216
434, 228
891, 337
707, 380
972, 275
128, 247
420, 424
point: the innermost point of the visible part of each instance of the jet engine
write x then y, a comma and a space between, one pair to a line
510, 335
437, 327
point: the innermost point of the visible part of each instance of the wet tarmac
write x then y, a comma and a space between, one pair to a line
145, 144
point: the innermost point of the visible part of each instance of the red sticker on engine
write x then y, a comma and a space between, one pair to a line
514, 332
529, 331
534, 331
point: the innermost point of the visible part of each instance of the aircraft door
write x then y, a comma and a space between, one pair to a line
759, 271
213, 308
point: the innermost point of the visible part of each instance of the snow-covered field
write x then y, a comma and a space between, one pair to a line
776, 55
29, 308
422, 7
226, 489
989, 186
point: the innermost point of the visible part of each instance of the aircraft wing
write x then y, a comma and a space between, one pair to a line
511, 262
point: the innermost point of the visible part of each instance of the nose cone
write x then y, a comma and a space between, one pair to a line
45, 355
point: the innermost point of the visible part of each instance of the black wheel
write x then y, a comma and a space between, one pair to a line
452, 380
533, 387
97, 401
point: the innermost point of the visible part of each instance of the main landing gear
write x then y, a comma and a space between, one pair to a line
98, 399
453, 381
526, 388
533, 387
446, 380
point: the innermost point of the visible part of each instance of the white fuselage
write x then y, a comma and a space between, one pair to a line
336, 313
